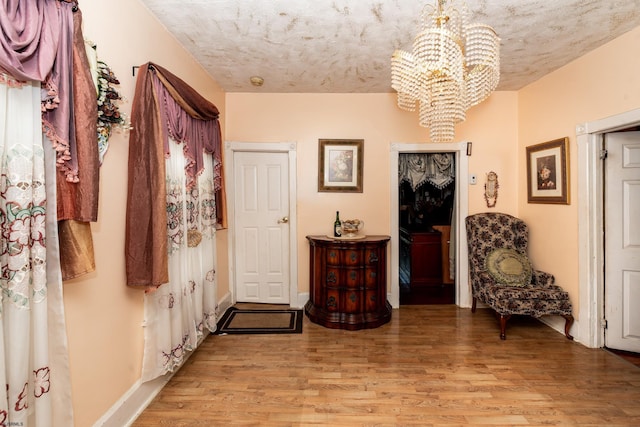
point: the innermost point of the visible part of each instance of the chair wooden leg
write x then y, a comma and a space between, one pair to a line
503, 326
567, 325
473, 304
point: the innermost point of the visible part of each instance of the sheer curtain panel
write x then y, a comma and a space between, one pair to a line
33, 351
179, 314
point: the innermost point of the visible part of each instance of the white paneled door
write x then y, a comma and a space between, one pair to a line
261, 206
622, 241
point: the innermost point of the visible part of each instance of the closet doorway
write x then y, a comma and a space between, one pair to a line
426, 195
458, 240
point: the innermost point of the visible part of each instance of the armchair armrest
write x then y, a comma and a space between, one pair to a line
542, 278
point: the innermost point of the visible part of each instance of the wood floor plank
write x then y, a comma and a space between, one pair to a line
433, 365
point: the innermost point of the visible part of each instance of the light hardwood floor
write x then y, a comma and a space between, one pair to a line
431, 365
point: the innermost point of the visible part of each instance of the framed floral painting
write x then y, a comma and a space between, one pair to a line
340, 164
548, 172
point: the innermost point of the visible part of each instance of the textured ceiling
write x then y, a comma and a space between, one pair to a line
345, 46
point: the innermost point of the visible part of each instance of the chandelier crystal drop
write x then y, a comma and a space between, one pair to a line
454, 65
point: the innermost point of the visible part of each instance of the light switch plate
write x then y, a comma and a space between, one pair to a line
473, 180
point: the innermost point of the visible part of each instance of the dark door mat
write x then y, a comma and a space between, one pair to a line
259, 321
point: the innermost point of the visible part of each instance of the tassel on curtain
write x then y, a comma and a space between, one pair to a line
42, 41
174, 151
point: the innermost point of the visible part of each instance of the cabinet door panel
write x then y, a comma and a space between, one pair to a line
426, 259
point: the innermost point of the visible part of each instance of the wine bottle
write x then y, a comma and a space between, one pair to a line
337, 226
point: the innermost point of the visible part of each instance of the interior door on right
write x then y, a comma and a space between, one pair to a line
622, 241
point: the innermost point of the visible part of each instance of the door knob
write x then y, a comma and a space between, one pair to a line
283, 220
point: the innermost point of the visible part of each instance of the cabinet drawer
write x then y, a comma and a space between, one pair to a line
372, 257
371, 278
372, 299
351, 301
334, 257
332, 303
344, 277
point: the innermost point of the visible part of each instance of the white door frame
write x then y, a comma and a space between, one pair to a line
591, 223
463, 292
231, 147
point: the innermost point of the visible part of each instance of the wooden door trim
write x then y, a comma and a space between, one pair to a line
463, 292
231, 147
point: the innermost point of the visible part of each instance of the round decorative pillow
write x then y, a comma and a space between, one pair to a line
509, 267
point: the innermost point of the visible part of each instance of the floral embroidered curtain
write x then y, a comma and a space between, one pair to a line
34, 363
180, 313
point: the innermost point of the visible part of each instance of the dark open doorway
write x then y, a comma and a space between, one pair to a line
426, 202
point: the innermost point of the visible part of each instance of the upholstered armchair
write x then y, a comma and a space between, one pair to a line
502, 276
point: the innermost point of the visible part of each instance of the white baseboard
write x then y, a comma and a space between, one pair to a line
125, 411
558, 322
224, 303
302, 300
554, 322
129, 407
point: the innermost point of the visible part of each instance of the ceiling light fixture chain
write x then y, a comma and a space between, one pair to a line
453, 66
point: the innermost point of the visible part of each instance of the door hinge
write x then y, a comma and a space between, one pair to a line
603, 154
603, 323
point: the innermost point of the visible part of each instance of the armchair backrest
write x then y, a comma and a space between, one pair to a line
493, 230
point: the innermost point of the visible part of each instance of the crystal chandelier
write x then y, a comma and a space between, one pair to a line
454, 66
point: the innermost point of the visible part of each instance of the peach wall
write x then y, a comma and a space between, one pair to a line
305, 118
104, 317
600, 84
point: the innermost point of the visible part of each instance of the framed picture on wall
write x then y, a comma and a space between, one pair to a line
340, 163
548, 172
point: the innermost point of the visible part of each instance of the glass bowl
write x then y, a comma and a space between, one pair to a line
351, 227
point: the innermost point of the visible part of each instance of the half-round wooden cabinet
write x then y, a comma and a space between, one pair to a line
348, 282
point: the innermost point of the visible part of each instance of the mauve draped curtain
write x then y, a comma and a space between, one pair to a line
42, 41
174, 175
164, 106
30, 33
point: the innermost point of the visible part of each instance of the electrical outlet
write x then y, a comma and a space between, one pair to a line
473, 180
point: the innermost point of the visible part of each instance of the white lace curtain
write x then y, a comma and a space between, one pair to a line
33, 349
179, 314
